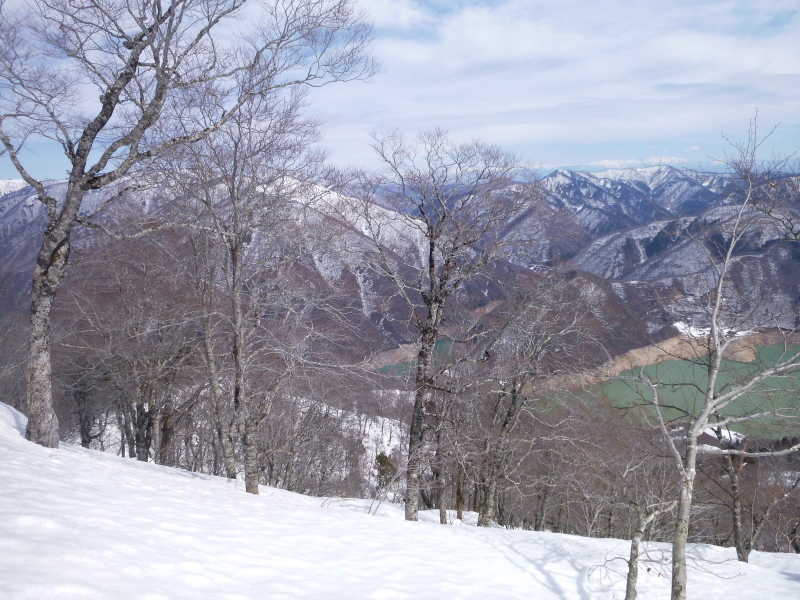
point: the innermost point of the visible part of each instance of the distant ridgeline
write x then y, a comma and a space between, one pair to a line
631, 234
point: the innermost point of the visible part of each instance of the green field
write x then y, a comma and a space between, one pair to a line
682, 384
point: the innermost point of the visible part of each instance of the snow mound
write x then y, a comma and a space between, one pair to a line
80, 524
11, 419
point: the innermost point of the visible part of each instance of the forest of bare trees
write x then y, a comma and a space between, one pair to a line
209, 295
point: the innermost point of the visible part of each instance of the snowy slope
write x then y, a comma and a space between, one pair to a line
81, 524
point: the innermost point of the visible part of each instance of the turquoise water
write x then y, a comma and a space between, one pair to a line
404, 369
682, 386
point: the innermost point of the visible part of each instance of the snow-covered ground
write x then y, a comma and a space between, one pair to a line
81, 524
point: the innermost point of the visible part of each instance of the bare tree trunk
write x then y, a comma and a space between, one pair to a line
460, 493
241, 399
486, 517
441, 479
633, 562
441, 500
144, 431
415, 444
251, 471
221, 424
167, 431
122, 437
85, 417
50, 266
643, 519
417, 430
681, 534
541, 509
739, 542
126, 429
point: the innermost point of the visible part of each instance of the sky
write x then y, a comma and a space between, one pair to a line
571, 83
578, 83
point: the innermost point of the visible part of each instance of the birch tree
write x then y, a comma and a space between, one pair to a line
115, 83
749, 395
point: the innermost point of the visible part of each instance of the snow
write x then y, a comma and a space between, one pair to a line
691, 331
730, 437
80, 524
650, 176
11, 185
702, 332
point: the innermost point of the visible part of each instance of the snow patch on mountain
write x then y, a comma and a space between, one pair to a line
11, 185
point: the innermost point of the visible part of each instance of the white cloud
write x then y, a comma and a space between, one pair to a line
617, 163
574, 79
666, 160
637, 162
551, 77
400, 14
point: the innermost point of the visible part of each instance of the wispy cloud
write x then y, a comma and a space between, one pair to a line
637, 162
398, 14
570, 82
534, 74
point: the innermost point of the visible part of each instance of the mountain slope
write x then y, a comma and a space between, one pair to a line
629, 227
611, 200
81, 524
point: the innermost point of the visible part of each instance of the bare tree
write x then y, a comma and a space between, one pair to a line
450, 205
632, 473
133, 346
645, 514
548, 334
204, 281
750, 490
13, 331
245, 190
748, 395
148, 63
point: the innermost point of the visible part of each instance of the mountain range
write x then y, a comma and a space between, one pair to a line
642, 240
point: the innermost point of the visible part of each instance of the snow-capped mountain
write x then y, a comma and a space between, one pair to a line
608, 201
644, 234
663, 228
